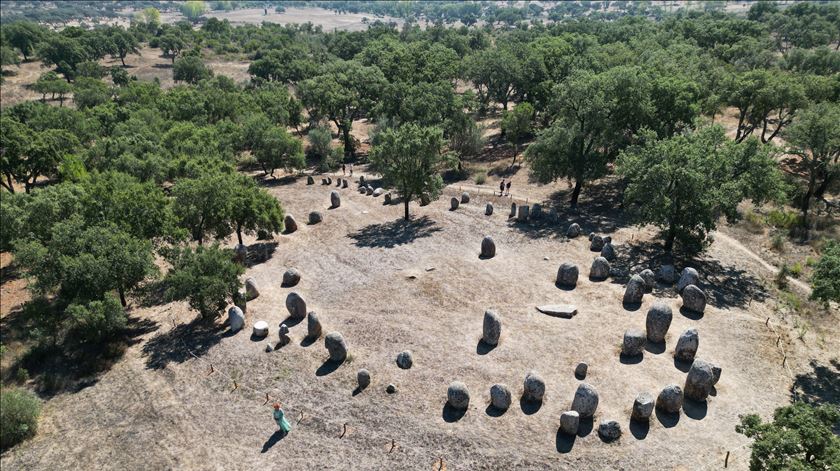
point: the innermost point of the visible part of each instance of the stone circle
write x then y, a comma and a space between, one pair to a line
457, 395
260, 329
335, 199
650, 279
296, 306
465, 197
236, 318
567, 275
405, 360
670, 400
488, 210
315, 217
608, 251
336, 346
609, 430
687, 345
689, 276
634, 342
313, 325
488, 247
643, 407
534, 387
363, 378
699, 381
291, 277
635, 290
491, 328
310, 180
569, 422
251, 290
513, 210
453, 204
378, 192
600, 269
580, 370
693, 299
585, 401
667, 274
658, 321
290, 224
522, 215
500, 396
596, 243
573, 230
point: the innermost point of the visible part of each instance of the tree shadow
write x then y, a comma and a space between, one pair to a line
633, 256
668, 420
654, 347
688, 313
269, 182
639, 430
175, 345
328, 367
696, 410
564, 442
272, 440
630, 359
394, 233
451, 414
529, 407
727, 286
151, 293
483, 348
260, 252
494, 411
162, 65
820, 386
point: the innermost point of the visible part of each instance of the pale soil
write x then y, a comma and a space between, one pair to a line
326, 19
159, 409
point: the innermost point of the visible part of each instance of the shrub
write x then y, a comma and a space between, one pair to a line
796, 270
781, 277
22, 375
783, 219
777, 242
98, 320
481, 178
826, 277
753, 222
19, 410
206, 277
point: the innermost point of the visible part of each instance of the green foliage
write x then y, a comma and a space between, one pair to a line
481, 178
193, 9
320, 147
89, 92
203, 205
72, 169
799, 437
19, 411
826, 276
782, 219
207, 277
24, 36
190, 69
254, 210
98, 320
279, 149
516, 125
65, 53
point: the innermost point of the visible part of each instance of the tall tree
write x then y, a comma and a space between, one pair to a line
24, 36
207, 277
123, 43
203, 205
277, 148
254, 209
65, 53
516, 125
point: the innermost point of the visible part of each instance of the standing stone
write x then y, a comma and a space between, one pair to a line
580, 370
592, 236
453, 204
457, 395
512, 210
667, 274
567, 275
536, 211
609, 430
650, 279
465, 197
338, 182
335, 199
585, 401
689, 276
296, 306
291, 277
500, 396
522, 215
658, 321
488, 247
251, 290
391, 389
315, 217
290, 224
310, 180
643, 407
260, 329
363, 378
608, 252
573, 230
369, 190
634, 342
670, 400
236, 319
687, 345
362, 180
323, 181
344, 183
600, 269
694, 299
596, 243
378, 192
336, 346
569, 422
488, 210
716, 371
284, 335
240, 253
534, 387
329, 180
492, 328
388, 198
699, 381
405, 360
635, 290
313, 325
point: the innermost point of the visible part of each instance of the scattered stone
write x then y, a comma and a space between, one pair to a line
310, 180
457, 395
650, 279
609, 430
670, 400
608, 252
240, 253
492, 327
338, 182
694, 299
580, 370
291, 277
488, 247
569, 422
534, 387
391, 389
378, 192
689, 276
643, 407
336, 346
716, 371
363, 378
315, 217
635, 290
607, 239
600, 269
488, 210
634, 342
699, 381
453, 204
344, 183
236, 319
573, 230
667, 274
596, 243
260, 329
546, 258
500, 396
566, 311
536, 211
329, 180
269, 348
335, 199
388, 198
290, 224
284, 335
658, 321
313, 325
522, 215
296, 306
585, 401
405, 360
369, 190
465, 197
687, 345
251, 290
362, 180
512, 210
591, 236
567, 275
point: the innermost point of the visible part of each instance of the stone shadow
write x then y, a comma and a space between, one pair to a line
394, 233
630, 359
494, 411
269, 181
667, 420
696, 410
654, 347
483, 348
260, 252
639, 430
688, 313
585, 427
564, 442
682, 365
328, 367
175, 345
451, 414
529, 407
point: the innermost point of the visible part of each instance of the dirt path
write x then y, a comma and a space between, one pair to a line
720, 236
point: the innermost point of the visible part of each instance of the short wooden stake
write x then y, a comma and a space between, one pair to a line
211, 370
726, 461
767, 323
393, 445
778, 340
344, 432
301, 417
266, 399
235, 386
784, 360
440, 468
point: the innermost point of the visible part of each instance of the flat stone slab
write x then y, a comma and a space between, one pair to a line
566, 311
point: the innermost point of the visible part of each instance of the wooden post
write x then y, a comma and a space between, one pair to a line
767, 323
235, 386
300, 418
440, 468
784, 360
393, 445
211, 370
344, 432
726, 461
266, 399
778, 340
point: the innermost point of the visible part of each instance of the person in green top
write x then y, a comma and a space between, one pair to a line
280, 418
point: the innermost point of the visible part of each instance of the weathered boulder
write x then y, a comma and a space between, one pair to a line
296, 306
689, 276
315, 217
596, 243
491, 328
567, 275
687, 345
524, 211
500, 396
369, 190
569, 422
643, 407
363, 378
585, 401
536, 211
693, 299
335, 199
405, 360
634, 291
344, 183
667, 274
534, 387
699, 381
600, 269
329, 180
512, 210
609, 430
283, 335
457, 395
336, 346
251, 290
313, 325
658, 321
310, 180
378, 192
608, 251
291, 277
716, 371
240, 253
290, 224
236, 318
260, 329
338, 182
488, 247
391, 389
650, 279
465, 197
670, 400
488, 210
573, 230
634, 342
453, 204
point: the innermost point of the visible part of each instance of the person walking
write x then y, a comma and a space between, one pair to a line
508, 187
502, 187
280, 418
